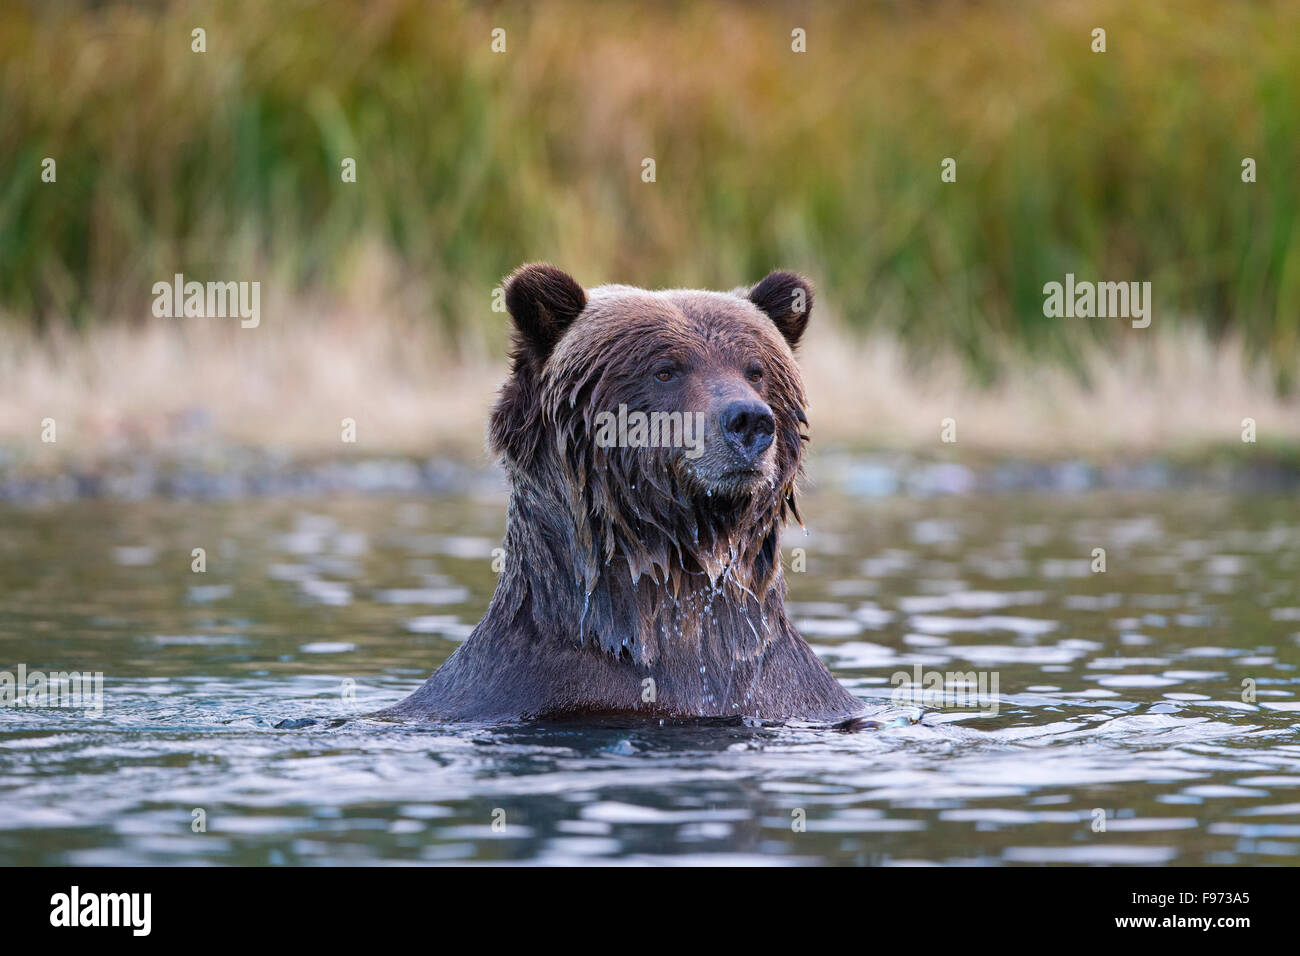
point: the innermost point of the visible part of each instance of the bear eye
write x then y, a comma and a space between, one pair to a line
666, 374
754, 375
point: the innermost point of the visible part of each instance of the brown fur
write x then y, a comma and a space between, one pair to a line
628, 564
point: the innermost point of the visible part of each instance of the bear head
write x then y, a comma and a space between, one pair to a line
667, 426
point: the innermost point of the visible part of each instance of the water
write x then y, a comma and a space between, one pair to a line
1120, 694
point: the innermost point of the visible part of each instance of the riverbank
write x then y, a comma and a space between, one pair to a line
931, 166
347, 401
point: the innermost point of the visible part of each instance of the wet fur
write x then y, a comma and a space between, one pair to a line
624, 564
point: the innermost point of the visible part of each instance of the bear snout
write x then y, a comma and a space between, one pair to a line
748, 427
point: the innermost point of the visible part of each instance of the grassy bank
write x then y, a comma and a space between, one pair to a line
1123, 165
201, 391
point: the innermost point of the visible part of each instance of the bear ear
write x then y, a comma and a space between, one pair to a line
543, 301
787, 298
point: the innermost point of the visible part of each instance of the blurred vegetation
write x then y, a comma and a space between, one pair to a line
226, 165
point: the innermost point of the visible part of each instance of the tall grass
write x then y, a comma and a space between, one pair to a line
1117, 166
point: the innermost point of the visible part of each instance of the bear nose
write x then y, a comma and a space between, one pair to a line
748, 427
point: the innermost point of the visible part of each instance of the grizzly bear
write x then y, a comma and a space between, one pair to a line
642, 572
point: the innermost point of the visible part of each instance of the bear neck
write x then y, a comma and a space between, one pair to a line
677, 585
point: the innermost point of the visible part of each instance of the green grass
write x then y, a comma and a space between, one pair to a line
1117, 166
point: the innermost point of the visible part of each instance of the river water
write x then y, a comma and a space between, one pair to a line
1142, 714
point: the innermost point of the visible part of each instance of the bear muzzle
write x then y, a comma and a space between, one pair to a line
747, 427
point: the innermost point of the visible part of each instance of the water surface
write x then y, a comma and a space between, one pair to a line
1158, 696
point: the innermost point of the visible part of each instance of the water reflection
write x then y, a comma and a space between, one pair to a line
1156, 698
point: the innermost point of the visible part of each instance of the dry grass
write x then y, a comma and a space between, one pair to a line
1180, 395
199, 389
